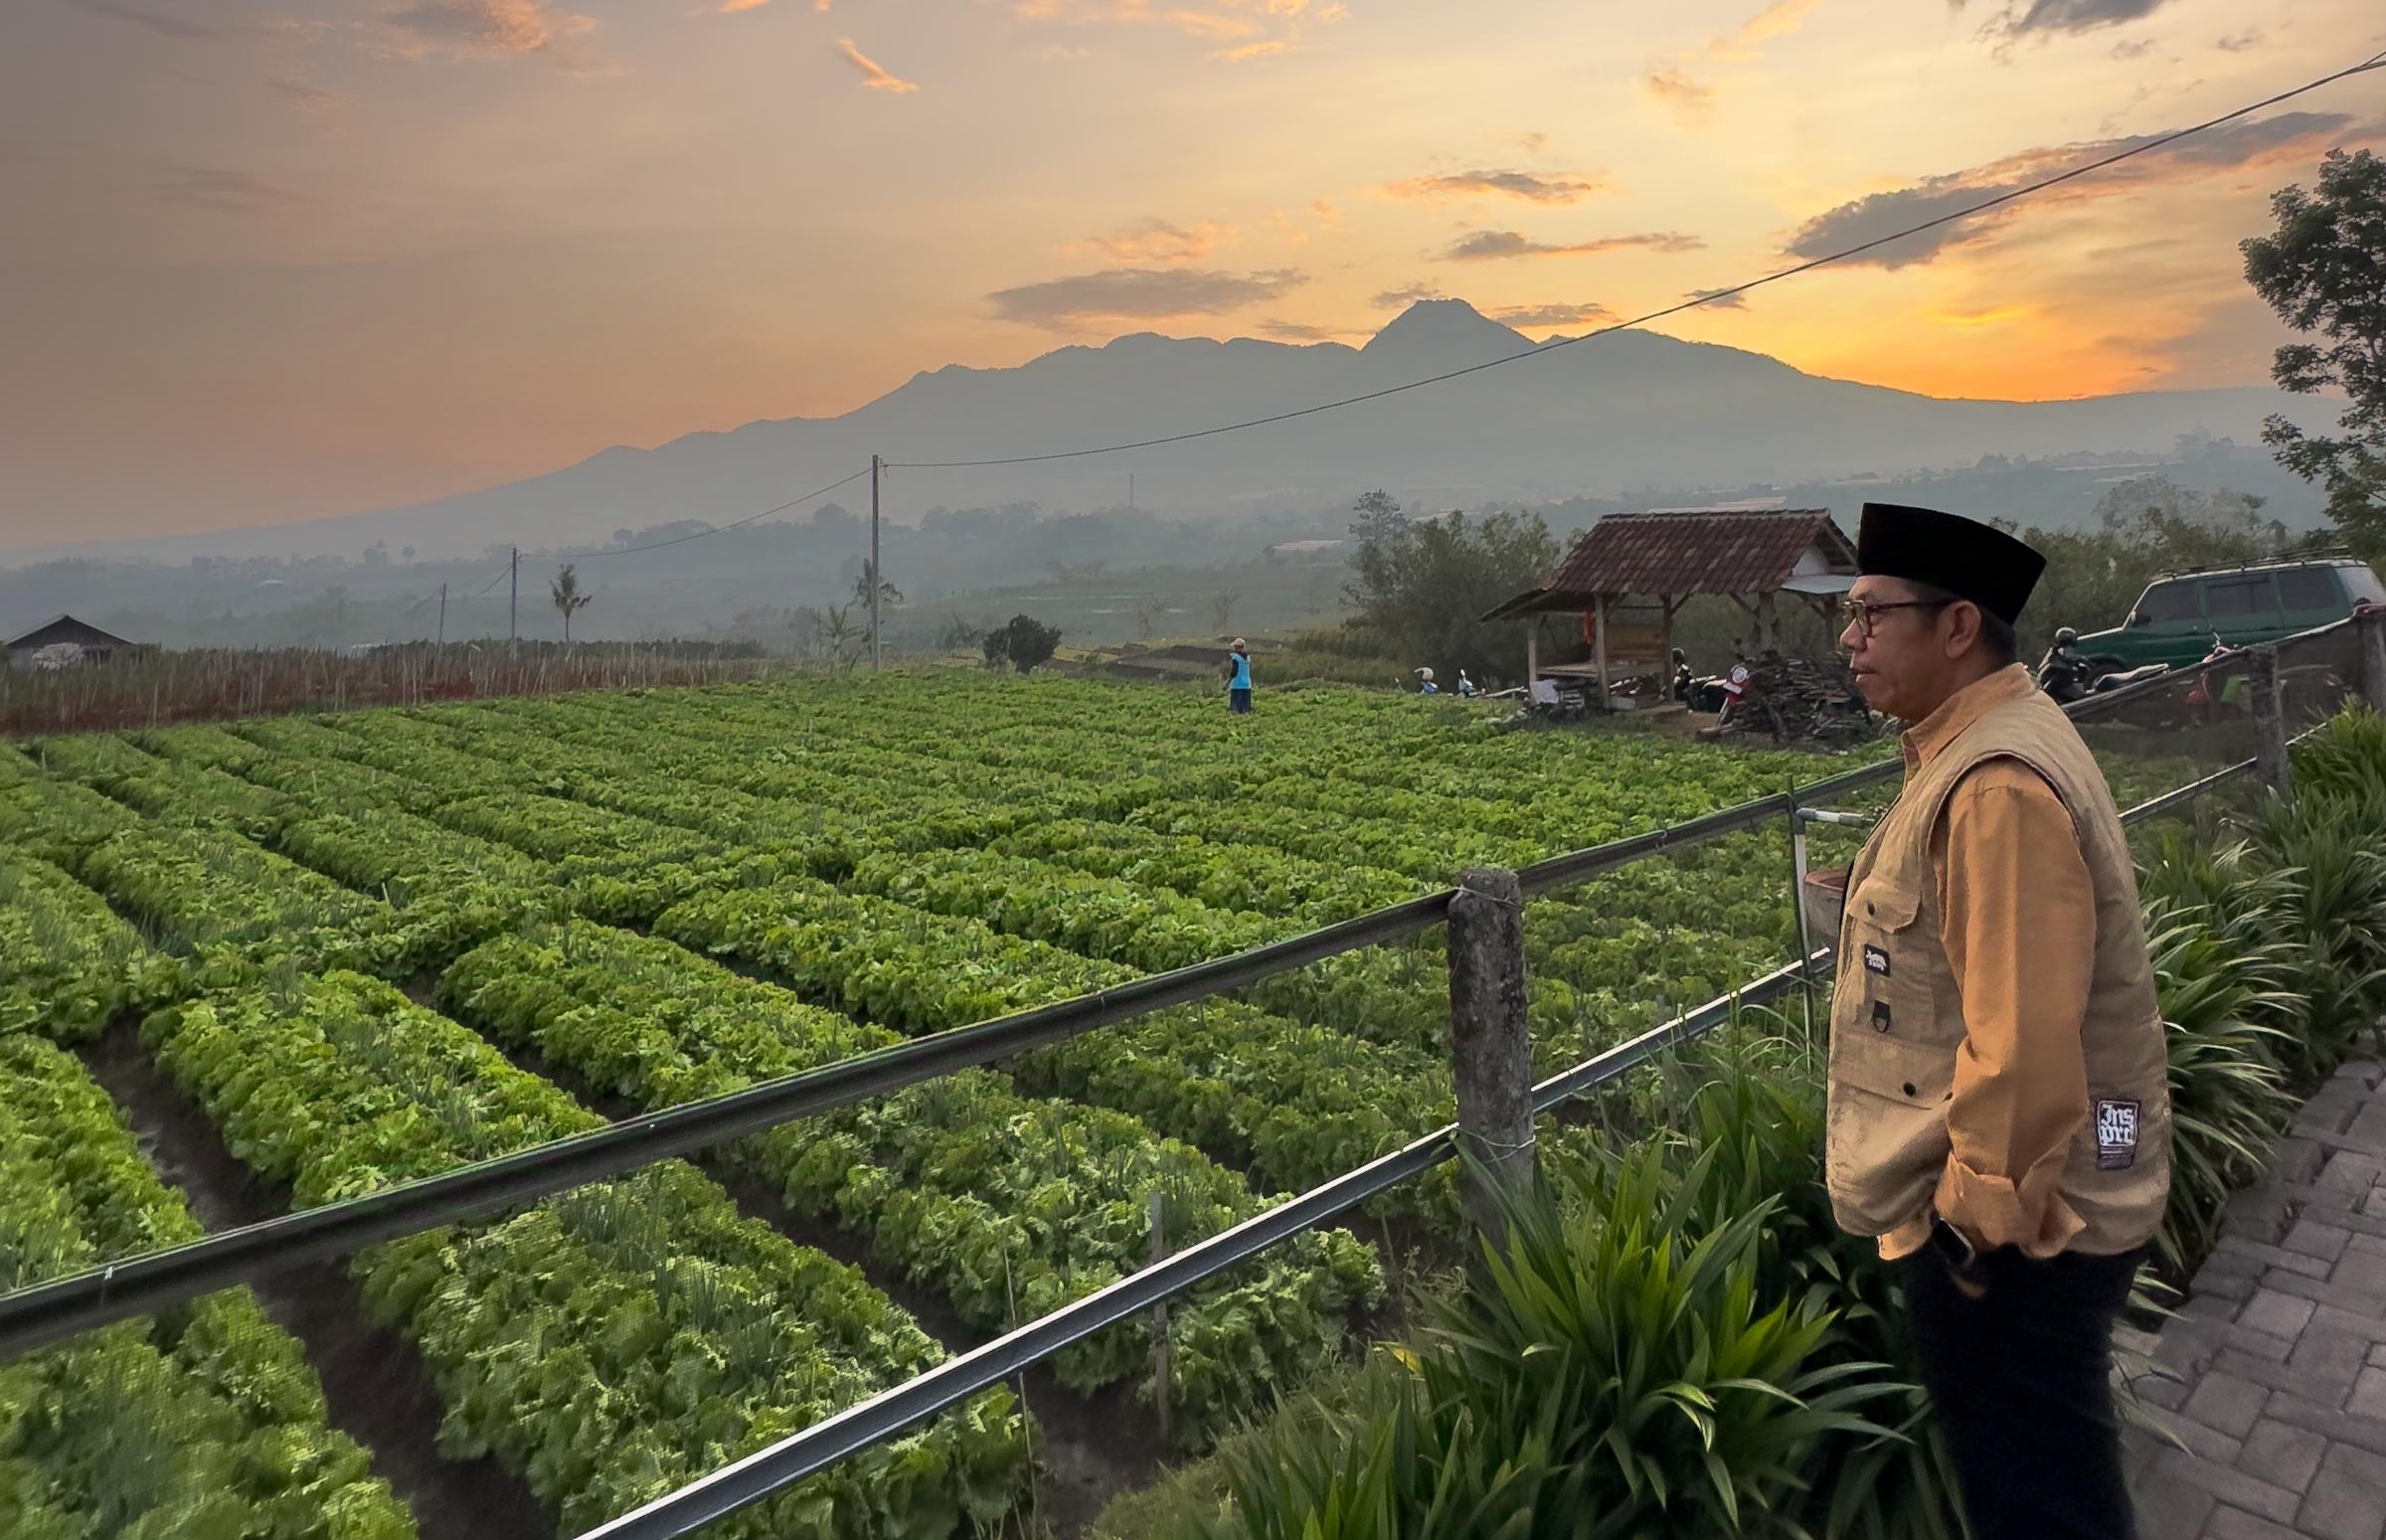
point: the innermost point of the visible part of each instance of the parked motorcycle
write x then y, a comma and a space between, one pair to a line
2064, 672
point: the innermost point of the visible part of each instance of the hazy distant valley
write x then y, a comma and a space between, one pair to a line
1621, 422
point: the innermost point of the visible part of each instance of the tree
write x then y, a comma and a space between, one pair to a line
1221, 608
841, 638
888, 595
1148, 610
1379, 517
1423, 587
2228, 523
1026, 641
2323, 271
567, 596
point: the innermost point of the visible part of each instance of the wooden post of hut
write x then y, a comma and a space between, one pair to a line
1600, 645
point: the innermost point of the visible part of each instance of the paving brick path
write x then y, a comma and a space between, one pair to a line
2273, 1377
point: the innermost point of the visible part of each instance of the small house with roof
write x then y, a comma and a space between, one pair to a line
1629, 574
62, 631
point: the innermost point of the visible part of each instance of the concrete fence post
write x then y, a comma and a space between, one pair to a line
2371, 627
1490, 1045
2270, 719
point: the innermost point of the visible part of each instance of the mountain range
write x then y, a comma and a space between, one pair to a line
1601, 417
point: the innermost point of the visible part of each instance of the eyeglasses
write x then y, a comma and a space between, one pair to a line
1864, 614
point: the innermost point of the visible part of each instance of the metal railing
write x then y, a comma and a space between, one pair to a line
858, 1427
48, 1312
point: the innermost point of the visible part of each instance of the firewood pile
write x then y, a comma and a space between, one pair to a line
1803, 700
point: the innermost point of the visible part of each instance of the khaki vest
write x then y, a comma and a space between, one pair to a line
1897, 1019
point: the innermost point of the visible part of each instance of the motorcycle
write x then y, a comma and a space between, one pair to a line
2064, 672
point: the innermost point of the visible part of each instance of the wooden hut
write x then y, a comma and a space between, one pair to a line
1631, 574
65, 630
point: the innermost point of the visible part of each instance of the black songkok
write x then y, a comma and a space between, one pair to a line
1965, 557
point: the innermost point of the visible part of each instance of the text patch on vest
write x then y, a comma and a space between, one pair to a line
2115, 1133
1876, 959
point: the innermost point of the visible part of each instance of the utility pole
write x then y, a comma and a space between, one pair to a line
442, 614
878, 579
1130, 491
513, 603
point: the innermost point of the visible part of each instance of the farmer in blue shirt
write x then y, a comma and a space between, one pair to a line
1238, 677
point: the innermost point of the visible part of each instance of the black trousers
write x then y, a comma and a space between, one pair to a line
2020, 1383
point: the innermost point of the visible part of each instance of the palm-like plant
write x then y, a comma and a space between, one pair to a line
2347, 758
2229, 1009
1760, 1117
2330, 855
1621, 1364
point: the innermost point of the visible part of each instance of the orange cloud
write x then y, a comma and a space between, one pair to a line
1157, 241
1531, 187
490, 28
1693, 100
1213, 25
2251, 143
1243, 29
1994, 315
874, 76
1493, 245
1072, 303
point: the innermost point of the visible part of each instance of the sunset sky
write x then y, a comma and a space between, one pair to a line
263, 261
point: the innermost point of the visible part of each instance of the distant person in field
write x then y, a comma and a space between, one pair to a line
1238, 677
1465, 685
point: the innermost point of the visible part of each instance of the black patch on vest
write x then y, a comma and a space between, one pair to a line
2115, 1133
1876, 961
1880, 1015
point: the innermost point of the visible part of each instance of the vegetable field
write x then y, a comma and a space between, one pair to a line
365, 949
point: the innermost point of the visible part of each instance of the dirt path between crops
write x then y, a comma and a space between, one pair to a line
375, 1384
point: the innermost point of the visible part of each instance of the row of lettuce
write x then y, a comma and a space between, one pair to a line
1673, 1337
208, 1421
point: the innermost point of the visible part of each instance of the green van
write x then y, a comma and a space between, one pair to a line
2176, 620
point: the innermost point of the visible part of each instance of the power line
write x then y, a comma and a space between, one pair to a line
492, 583
676, 540
1710, 298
